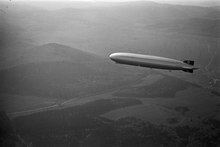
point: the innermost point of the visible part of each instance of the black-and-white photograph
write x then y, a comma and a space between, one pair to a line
110, 73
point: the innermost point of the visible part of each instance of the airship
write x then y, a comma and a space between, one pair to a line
150, 61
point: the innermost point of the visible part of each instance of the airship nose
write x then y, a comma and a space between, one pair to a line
112, 57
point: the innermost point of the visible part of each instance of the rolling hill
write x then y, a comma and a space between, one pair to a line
59, 71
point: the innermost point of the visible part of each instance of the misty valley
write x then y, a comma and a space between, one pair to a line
58, 87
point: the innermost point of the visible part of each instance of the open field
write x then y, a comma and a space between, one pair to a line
188, 106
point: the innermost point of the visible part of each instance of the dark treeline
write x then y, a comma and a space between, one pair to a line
83, 126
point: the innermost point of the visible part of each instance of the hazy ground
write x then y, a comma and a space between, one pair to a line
59, 87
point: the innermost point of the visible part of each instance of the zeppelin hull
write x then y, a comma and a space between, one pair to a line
149, 65
152, 62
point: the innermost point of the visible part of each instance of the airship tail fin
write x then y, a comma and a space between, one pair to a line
190, 70
189, 62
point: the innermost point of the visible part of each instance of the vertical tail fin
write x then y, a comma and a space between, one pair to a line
189, 62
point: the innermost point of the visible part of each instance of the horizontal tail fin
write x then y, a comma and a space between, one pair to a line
190, 70
189, 62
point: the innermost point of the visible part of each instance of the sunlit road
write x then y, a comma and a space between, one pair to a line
62, 105
70, 102
15, 114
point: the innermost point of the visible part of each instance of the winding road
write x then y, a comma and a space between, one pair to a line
212, 56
